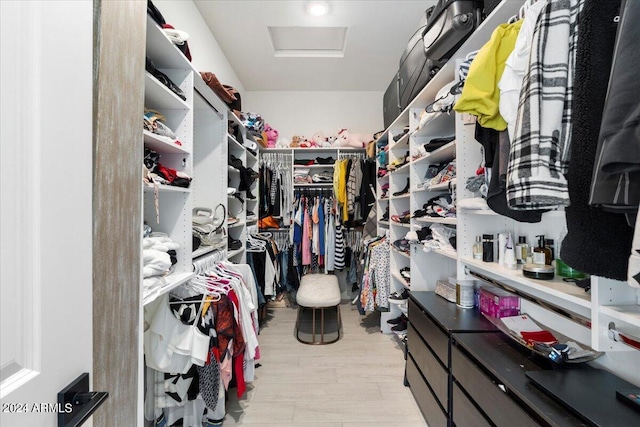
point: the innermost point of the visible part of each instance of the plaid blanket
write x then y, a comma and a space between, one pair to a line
539, 153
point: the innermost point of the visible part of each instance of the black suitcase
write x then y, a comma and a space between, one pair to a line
413, 69
391, 103
450, 24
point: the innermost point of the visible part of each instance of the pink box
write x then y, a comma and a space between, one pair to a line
498, 303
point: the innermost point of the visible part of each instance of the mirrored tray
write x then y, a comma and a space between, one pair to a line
581, 355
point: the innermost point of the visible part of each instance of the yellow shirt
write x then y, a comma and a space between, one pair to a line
481, 95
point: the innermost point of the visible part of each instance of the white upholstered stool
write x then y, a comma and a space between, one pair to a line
318, 292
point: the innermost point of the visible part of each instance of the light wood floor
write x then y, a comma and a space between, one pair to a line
354, 382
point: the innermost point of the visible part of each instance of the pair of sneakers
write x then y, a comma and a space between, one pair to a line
399, 324
399, 296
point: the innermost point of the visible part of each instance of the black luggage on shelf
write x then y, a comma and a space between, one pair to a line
413, 70
441, 31
450, 24
391, 102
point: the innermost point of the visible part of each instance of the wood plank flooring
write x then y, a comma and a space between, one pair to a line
354, 382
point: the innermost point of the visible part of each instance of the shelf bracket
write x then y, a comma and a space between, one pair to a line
623, 337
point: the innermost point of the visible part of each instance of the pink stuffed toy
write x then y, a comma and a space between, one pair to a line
272, 136
352, 140
319, 139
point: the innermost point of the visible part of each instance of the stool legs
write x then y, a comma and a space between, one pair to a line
313, 325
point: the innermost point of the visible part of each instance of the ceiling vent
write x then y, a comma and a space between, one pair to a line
309, 42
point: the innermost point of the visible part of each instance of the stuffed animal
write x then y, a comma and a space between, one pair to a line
283, 143
353, 140
295, 141
331, 140
272, 135
319, 139
305, 142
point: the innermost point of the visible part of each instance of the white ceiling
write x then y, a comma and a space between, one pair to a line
378, 32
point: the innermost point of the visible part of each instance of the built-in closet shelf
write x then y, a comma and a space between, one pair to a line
159, 97
400, 280
203, 250
235, 253
252, 200
404, 169
162, 51
402, 196
237, 224
232, 169
313, 166
173, 281
448, 254
162, 145
251, 159
166, 189
626, 313
233, 143
401, 143
436, 219
555, 289
252, 221
400, 224
446, 153
439, 125
398, 302
317, 184
383, 178
399, 252
489, 212
384, 223
443, 186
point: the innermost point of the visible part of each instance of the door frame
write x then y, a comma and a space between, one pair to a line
119, 51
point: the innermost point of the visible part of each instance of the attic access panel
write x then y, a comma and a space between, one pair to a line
308, 41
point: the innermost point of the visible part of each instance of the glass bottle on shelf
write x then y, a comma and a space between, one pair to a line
477, 248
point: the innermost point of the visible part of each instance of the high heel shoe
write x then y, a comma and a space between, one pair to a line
405, 190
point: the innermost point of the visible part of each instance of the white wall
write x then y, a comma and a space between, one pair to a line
205, 51
304, 113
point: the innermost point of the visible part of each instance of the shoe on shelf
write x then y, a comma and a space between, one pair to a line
231, 191
402, 245
401, 327
399, 296
405, 273
385, 216
398, 320
231, 220
403, 218
405, 190
233, 244
250, 195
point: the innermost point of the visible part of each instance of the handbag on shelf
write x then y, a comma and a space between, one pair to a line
207, 227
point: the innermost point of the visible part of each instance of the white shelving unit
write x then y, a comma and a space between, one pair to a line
560, 305
202, 151
174, 203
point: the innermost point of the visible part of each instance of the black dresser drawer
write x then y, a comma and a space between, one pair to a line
499, 407
464, 412
435, 337
436, 374
427, 402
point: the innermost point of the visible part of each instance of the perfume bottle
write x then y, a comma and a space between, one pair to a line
541, 253
477, 248
521, 250
487, 248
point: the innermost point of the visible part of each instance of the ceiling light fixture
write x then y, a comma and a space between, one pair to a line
317, 8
